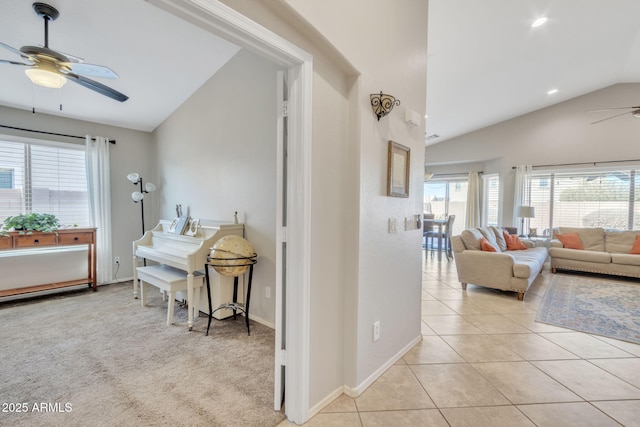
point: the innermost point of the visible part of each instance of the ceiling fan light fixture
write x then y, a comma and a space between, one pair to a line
538, 22
45, 78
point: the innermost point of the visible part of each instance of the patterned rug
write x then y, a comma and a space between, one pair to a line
600, 306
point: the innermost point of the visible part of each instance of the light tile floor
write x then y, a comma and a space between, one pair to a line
484, 361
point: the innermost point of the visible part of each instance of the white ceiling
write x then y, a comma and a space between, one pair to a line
486, 64
161, 60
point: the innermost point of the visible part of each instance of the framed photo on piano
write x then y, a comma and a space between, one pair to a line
172, 227
192, 227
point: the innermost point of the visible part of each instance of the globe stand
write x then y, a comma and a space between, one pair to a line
234, 305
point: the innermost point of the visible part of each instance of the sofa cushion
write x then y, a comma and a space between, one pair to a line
486, 246
635, 249
513, 242
528, 263
490, 235
592, 238
578, 255
620, 241
471, 238
570, 240
625, 259
500, 240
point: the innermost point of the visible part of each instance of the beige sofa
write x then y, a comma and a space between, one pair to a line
605, 252
506, 270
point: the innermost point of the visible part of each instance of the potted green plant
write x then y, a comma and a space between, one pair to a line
28, 223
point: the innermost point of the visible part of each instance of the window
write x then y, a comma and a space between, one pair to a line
6, 178
43, 177
447, 197
491, 199
606, 199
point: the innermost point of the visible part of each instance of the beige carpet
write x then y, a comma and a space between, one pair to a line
100, 359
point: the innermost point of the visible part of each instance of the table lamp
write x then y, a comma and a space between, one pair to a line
525, 212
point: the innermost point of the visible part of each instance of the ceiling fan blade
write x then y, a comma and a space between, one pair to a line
612, 117
97, 87
12, 49
91, 70
613, 108
17, 52
6, 61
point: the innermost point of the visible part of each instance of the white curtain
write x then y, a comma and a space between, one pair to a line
521, 192
473, 201
99, 188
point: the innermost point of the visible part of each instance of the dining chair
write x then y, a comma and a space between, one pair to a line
427, 228
448, 231
444, 237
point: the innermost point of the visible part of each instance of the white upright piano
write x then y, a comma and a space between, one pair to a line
188, 253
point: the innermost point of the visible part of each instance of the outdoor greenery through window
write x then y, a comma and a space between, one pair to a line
607, 199
43, 178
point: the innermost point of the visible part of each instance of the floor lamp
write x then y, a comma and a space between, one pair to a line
525, 212
138, 196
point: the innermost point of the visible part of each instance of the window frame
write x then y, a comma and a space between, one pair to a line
553, 175
27, 184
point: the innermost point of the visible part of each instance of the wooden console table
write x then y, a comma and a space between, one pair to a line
67, 237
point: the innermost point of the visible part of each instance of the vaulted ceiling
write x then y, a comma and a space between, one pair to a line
160, 59
486, 63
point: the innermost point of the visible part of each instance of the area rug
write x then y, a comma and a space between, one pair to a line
100, 359
600, 306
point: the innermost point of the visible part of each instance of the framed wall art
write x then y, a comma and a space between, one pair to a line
398, 170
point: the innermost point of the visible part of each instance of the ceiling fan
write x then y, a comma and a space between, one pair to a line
50, 68
634, 111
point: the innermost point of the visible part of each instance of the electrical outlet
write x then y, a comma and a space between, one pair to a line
376, 331
116, 260
267, 292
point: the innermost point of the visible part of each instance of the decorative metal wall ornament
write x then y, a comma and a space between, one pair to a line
382, 104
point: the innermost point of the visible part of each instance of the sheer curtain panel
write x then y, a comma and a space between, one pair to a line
473, 201
97, 158
522, 193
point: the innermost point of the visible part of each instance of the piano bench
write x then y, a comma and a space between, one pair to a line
171, 280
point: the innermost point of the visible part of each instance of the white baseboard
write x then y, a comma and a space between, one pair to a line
327, 400
357, 391
360, 388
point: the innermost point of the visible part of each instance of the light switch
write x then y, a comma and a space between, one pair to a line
393, 228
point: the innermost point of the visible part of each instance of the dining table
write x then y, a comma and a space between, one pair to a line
440, 224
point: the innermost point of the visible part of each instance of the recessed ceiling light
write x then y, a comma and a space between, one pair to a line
539, 21
426, 116
552, 91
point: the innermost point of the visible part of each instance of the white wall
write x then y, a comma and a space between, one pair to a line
216, 154
131, 153
360, 273
554, 135
334, 198
392, 58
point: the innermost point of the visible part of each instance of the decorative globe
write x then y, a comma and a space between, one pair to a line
232, 256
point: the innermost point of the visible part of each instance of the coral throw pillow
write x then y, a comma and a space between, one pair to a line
636, 247
570, 240
486, 246
513, 242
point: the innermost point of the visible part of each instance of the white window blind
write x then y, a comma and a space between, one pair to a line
491, 199
44, 179
604, 199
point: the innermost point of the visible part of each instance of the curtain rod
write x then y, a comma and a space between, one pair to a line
112, 141
581, 163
